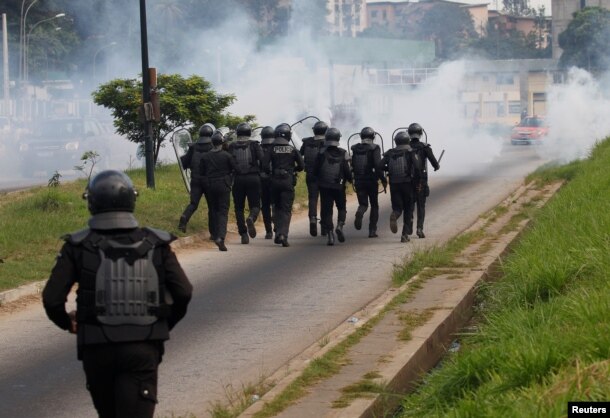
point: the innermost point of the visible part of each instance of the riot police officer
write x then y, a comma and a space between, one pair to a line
247, 183
191, 161
219, 167
397, 163
366, 166
422, 153
332, 171
310, 150
282, 164
120, 346
267, 138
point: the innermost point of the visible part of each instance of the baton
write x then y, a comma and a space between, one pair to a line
441, 157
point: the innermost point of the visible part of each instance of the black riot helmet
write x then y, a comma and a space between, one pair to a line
367, 133
110, 191
332, 137
283, 133
319, 128
218, 138
415, 131
243, 129
267, 135
402, 138
206, 130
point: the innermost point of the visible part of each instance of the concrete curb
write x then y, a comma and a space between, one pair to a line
430, 341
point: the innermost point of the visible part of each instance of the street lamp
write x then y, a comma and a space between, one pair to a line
95, 57
24, 16
27, 41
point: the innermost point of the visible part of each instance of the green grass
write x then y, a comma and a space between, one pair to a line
32, 221
544, 332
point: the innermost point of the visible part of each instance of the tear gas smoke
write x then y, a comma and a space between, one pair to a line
577, 115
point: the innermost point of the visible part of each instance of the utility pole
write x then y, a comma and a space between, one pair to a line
7, 97
147, 105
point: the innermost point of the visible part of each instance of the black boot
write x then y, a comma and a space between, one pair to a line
322, 229
245, 239
268, 235
358, 220
339, 232
330, 238
373, 233
313, 226
182, 223
284, 241
420, 233
404, 238
220, 243
251, 227
394, 222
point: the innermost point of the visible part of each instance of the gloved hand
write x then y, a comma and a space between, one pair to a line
436, 168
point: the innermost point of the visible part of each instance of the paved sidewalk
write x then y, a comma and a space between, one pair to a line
442, 303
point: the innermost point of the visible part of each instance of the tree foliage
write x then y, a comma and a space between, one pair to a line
184, 102
586, 40
449, 26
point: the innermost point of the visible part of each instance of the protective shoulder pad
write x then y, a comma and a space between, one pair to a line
77, 237
163, 236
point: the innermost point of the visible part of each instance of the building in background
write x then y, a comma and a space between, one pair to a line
562, 11
346, 18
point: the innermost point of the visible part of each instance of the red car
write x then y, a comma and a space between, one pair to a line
531, 130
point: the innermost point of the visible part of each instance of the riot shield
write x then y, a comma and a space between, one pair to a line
181, 139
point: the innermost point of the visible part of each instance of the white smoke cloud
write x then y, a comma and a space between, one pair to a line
578, 116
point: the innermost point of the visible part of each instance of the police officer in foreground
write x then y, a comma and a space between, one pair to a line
219, 167
191, 161
309, 150
282, 164
267, 138
397, 163
422, 153
131, 293
332, 171
366, 166
247, 183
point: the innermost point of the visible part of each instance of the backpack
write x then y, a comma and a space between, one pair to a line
330, 172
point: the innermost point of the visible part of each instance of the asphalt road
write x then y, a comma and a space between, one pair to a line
254, 308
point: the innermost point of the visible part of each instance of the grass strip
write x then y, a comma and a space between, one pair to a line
32, 221
543, 333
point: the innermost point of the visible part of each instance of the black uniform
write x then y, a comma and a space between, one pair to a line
366, 166
332, 170
397, 163
282, 163
421, 190
310, 150
219, 166
120, 360
247, 183
199, 184
266, 201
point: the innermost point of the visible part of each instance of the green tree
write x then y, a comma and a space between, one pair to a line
586, 40
449, 26
184, 103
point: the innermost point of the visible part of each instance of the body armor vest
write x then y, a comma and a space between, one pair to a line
123, 294
330, 172
399, 165
198, 151
243, 155
419, 162
362, 161
312, 148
